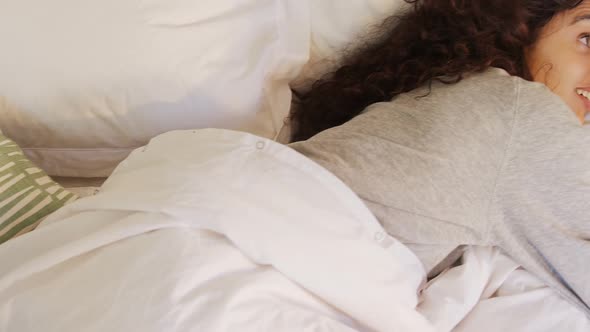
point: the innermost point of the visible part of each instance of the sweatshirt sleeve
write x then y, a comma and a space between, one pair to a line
540, 215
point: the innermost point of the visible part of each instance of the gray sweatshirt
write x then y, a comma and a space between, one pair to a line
493, 160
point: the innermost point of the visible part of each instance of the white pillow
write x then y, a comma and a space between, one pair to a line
337, 24
85, 82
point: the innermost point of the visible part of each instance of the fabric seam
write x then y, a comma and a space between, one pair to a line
507, 148
458, 225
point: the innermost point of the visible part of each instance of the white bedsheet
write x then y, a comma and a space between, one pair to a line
489, 292
214, 230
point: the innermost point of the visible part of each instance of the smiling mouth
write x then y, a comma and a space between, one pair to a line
585, 118
583, 93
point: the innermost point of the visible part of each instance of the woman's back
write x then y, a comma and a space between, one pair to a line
491, 160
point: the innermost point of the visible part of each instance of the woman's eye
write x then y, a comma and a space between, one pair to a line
585, 39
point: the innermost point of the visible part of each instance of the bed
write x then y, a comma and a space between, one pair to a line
199, 229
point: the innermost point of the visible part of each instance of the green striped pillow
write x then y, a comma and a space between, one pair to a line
27, 194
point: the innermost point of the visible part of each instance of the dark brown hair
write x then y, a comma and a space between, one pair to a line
435, 40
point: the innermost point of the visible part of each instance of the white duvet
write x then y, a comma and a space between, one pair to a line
215, 230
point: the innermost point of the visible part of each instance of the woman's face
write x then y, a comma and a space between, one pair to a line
560, 58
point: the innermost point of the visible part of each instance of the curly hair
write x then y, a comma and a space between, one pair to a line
438, 40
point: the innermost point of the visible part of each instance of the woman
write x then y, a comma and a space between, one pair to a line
464, 125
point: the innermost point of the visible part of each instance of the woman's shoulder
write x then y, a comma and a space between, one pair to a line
493, 87
486, 99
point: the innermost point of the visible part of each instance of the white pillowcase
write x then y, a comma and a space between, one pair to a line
85, 82
338, 25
